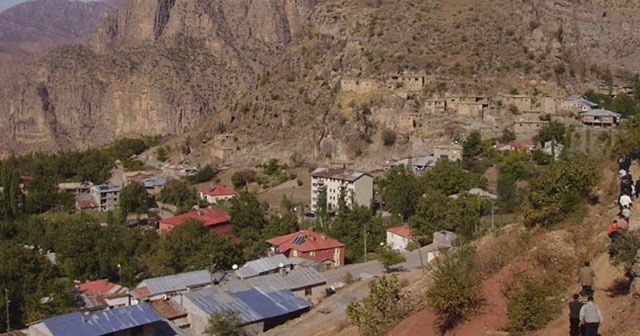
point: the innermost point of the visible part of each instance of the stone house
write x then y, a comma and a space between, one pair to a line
525, 130
435, 106
409, 81
452, 152
359, 85
520, 102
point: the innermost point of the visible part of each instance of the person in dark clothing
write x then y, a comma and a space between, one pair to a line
574, 316
637, 188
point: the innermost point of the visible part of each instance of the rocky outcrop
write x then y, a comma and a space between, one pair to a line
147, 74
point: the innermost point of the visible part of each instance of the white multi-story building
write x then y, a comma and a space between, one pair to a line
105, 197
355, 187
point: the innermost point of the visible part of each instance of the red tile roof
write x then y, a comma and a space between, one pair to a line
219, 191
141, 293
210, 217
305, 241
101, 287
403, 231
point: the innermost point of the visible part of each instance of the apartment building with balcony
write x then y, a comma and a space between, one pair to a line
105, 197
355, 187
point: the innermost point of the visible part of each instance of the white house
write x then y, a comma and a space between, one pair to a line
355, 187
217, 194
399, 237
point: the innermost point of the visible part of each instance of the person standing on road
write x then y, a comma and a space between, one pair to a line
574, 316
586, 279
590, 317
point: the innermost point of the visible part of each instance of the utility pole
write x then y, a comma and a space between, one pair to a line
7, 301
493, 212
364, 226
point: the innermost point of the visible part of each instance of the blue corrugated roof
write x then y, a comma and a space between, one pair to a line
252, 305
101, 323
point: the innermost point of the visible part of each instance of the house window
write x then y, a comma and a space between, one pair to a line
312, 253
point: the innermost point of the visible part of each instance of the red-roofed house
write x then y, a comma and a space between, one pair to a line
102, 294
311, 245
399, 237
217, 194
216, 220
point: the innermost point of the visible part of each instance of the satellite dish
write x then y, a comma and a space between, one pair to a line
281, 265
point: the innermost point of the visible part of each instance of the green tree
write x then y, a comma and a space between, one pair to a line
281, 225
204, 175
382, 309
450, 178
560, 190
249, 220
389, 258
507, 135
455, 292
133, 198
400, 191
161, 154
624, 104
179, 193
350, 226
472, 147
553, 131
436, 211
225, 323
528, 306
515, 164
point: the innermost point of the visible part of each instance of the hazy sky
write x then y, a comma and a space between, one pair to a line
4, 4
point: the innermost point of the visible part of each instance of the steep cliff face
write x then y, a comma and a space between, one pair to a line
154, 67
270, 70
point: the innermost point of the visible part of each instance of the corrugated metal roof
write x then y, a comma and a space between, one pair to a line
426, 161
252, 305
583, 101
297, 278
262, 265
176, 282
600, 113
101, 323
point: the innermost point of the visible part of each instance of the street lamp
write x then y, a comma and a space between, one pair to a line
119, 273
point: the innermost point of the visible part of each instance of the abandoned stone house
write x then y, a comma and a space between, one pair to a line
359, 85
526, 130
520, 102
407, 121
435, 106
409, 81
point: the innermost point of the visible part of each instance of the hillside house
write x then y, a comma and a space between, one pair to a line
425, 162
576, 104
407, 121
355, 187
258, 310
359, 85
526, 130
514, 146
136, 320
75, 187
105, 198
398, 238
452, 102
409, 81
215, 194
520, 102
102, 294
452, 152
470, 110
161, 288
216, 220
435, 106
600, 118
311, 245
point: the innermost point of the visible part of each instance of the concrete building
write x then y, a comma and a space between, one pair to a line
105, 197
311, 245
399, 237
217, 194
600, 118
355, 187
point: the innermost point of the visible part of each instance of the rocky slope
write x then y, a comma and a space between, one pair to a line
31, 29
269, 71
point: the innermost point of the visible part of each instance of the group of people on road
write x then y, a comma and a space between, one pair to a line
584, 317
628, 193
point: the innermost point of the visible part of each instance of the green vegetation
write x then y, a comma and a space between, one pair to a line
203, 175
349, 227
560, 190
455, 292
388, 137
382, 309
225, 323
529, 307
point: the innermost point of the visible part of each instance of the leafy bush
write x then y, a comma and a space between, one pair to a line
455, 293
528, 307
388, 137
624, 248
204, 175
382, 309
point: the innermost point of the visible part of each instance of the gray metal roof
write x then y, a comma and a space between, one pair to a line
354, 176
297, 278
600, 113
102, 323
583, 101
252, 305
262, 265
426, 161
176, 282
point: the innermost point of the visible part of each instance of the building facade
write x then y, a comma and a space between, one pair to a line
105, 197
310, 245
337, 183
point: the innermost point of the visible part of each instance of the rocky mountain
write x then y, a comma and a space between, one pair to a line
30, 29
267, 74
